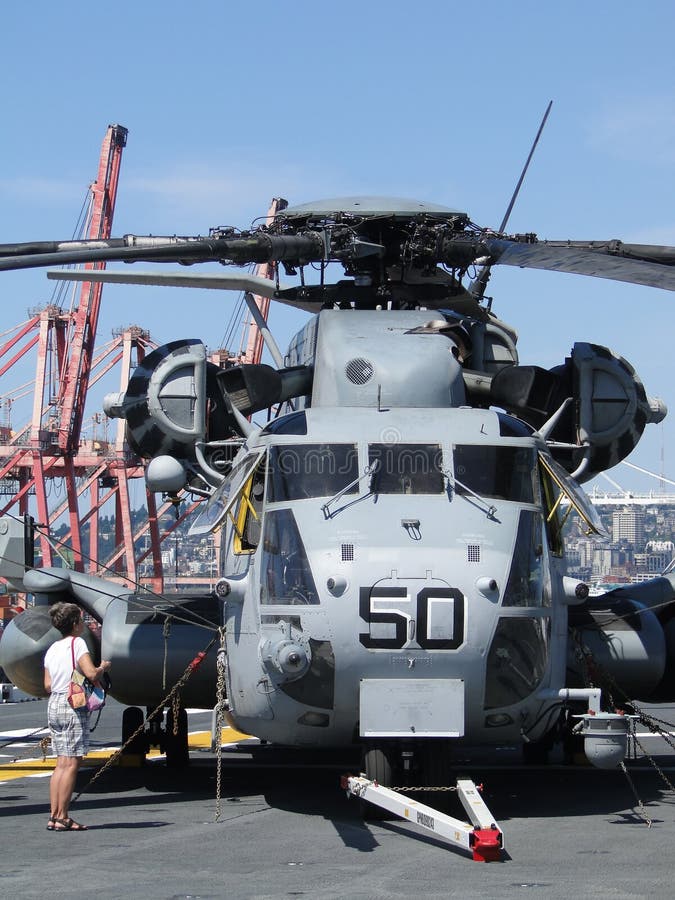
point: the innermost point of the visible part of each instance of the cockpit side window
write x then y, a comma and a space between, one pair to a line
286, 577
526, 584
407, 468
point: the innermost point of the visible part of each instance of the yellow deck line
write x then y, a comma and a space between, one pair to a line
197, 740
24, 768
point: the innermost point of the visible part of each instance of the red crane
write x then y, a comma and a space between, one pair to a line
50, 451
51, 447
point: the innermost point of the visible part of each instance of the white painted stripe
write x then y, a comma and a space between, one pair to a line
23, 732
651, 734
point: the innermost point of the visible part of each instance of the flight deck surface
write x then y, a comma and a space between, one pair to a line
287, 830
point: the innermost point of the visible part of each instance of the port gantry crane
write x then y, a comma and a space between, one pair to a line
51, 448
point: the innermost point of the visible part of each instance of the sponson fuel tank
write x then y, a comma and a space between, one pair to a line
153, 638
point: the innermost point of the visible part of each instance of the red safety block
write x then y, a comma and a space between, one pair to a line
486, 844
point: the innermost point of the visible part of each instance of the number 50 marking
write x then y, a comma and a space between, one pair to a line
435, 597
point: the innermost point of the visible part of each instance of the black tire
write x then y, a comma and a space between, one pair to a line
437, 772
377, 766
536, 753
132, 719
176, 745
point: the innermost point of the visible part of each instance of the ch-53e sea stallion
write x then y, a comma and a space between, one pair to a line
393, 565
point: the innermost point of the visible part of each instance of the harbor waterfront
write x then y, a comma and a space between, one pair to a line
286, 829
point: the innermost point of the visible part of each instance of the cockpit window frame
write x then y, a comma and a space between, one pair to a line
462, 482
407, 468
574, 493
222, 501
247, 520
277, 484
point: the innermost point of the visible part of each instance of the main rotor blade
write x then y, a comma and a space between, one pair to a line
635, 263
240, 250
646, 264
262, 286
130, 248
265, 287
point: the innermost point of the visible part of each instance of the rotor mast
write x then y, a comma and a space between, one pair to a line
268, 270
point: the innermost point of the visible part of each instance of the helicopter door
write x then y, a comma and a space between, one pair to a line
248, 517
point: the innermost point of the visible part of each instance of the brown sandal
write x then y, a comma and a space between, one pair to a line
68, 825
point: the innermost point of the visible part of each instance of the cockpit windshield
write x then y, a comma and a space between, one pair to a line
406, 468
504, 473
300, 471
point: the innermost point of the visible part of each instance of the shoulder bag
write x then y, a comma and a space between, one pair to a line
77, 695
82, 692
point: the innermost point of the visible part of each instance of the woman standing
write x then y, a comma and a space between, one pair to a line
69, 727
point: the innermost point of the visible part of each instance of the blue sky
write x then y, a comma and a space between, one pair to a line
230, 105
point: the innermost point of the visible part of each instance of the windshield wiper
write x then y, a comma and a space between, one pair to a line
488, 509
368, 471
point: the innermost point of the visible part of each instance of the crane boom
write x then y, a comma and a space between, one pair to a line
75, 382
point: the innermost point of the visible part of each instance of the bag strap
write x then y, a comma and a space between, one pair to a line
72, 652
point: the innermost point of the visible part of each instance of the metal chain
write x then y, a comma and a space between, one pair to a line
649, 721
610, 684
220, 715
641, 806
652, 762
405, 790
175, 710
43, 744
166, 631
652, 718
159, 708
24, 737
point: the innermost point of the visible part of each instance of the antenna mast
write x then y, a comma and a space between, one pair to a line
477, 287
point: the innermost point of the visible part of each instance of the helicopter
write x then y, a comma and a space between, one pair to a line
393, 569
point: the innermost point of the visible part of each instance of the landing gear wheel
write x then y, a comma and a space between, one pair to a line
436, 772
536, 753
176, 745
132, 719
376, 764
573, 745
